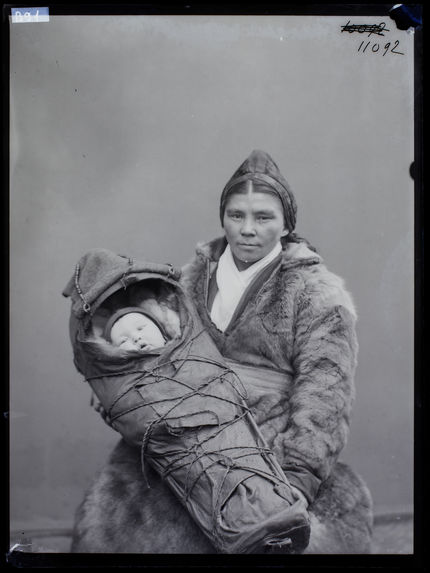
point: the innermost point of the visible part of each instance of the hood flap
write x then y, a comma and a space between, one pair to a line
98, 271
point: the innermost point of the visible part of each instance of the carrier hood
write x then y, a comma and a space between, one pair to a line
101, 272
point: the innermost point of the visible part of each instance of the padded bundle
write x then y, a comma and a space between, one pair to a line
185, 408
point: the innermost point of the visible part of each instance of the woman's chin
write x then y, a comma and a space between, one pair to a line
244, 261
248, 254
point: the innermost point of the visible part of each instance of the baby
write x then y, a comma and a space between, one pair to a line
138, 320
133, 329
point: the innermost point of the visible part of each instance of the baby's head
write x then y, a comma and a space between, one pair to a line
132, 328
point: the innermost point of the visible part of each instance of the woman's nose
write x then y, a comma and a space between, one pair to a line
248, 227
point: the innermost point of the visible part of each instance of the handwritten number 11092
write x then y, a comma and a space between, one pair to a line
375, 48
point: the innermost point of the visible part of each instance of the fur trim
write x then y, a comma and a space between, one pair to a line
121, 515
102, 347
324, 289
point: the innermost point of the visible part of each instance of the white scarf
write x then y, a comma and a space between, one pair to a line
232, 283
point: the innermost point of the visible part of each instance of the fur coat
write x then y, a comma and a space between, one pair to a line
301, 321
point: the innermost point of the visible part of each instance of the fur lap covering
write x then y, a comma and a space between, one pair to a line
121, 515
302, 320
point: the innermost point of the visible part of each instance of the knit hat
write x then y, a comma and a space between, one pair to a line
126, 310
260, 167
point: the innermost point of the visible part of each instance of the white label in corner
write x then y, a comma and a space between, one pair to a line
30, 15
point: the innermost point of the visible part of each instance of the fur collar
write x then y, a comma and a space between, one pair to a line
325, 288
293, 254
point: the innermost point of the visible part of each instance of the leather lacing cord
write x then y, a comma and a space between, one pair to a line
86, 306
231, 461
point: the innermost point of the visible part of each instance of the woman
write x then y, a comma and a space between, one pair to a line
287, 325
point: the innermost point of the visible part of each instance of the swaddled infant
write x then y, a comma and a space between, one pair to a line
141, 319
236, 494
132, 328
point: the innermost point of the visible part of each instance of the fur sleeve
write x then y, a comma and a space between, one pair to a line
324, 361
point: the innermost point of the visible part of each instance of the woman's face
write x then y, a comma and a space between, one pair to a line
253, 224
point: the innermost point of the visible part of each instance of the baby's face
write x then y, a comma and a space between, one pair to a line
135, 331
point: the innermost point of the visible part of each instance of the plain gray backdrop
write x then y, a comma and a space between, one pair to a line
124, 131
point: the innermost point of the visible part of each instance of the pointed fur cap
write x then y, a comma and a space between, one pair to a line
260, 167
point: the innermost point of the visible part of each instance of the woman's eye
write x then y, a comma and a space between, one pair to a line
235, 216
